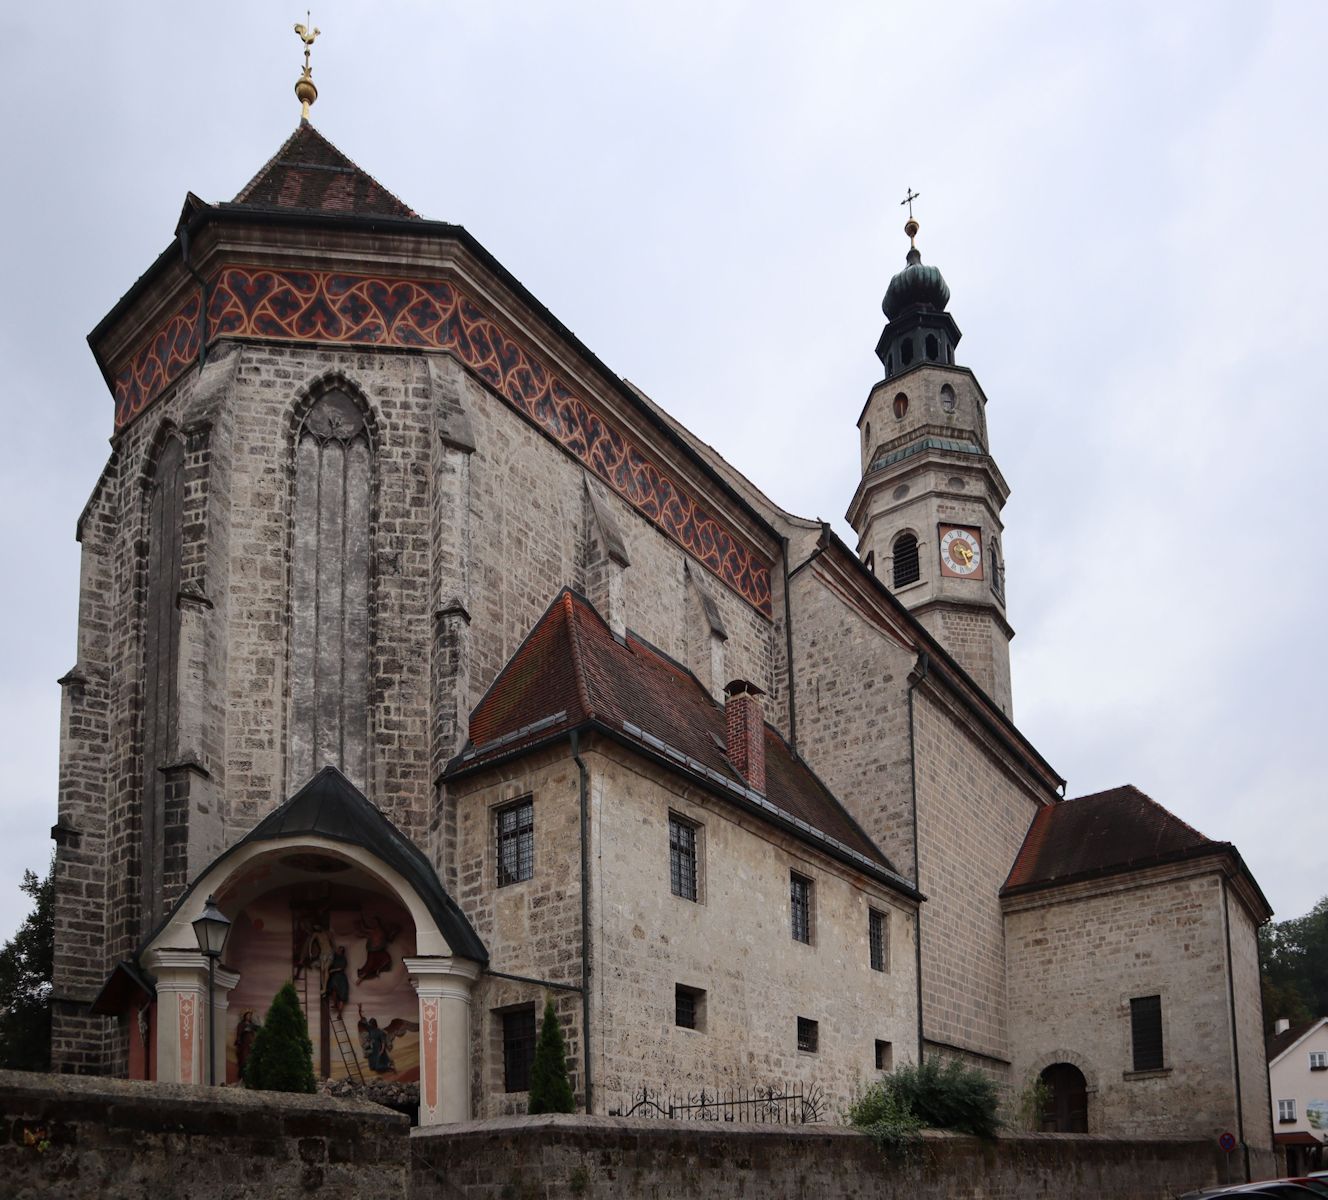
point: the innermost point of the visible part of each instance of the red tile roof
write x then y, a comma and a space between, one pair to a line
310, 174
571, 670
1117, 830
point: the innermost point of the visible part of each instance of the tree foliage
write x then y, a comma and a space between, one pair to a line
282, 1059
550, 1089
25, 981
1294, 958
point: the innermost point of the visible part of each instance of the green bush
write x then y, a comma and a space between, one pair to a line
550, 1089
282, 1058
939, 1094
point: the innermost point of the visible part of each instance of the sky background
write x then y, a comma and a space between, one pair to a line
1126, 199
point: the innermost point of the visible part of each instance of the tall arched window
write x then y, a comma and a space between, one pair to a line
161, 649
906, 566
329, 649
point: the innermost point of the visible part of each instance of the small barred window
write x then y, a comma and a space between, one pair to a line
515, 826
682, 858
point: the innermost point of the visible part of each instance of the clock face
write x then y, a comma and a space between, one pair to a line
961, 551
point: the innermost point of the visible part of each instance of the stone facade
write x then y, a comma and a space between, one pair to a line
1077, 956
732, 946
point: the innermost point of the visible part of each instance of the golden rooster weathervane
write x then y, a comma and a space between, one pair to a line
305, 92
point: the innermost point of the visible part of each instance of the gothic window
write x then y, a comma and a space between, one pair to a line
329, 659
514, 828
907, 568
161, 644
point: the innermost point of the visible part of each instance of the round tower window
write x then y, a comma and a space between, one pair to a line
901, 491
947, 398
901, 406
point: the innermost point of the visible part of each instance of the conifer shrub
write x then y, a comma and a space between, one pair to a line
550, 1089
282, 1058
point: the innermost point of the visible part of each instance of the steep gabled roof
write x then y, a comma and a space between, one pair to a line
572, 671
1116, 830
1280, 1043
310, 174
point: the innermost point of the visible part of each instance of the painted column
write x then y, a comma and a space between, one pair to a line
181, 1014
443, 986
221, 996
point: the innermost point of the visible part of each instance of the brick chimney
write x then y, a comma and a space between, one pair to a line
746, 731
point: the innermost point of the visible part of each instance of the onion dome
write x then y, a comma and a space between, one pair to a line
916, 286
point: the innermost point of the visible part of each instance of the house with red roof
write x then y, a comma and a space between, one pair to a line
1298, 1083
457, 675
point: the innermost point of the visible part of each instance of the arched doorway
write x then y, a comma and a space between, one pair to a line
1066, 1107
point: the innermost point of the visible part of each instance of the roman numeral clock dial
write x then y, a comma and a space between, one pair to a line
961, 551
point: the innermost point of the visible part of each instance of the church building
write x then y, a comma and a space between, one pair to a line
461, 676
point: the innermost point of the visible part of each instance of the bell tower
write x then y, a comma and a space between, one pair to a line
927, 511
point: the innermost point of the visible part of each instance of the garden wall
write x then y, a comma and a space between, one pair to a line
72, 1137
612, 1158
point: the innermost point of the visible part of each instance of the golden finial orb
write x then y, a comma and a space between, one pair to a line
305, 91
911, 228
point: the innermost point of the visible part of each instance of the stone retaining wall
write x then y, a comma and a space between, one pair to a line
72, 1137
610, 1158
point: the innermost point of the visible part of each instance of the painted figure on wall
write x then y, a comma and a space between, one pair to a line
338, 986
245, 1033
307, 950
377, 1042
377, 938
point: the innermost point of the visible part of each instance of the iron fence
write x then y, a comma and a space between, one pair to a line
774, 1104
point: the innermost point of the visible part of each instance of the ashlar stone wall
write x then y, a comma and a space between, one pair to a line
1077, 956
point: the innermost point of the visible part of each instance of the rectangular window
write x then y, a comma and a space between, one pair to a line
515, 828
688, 1007
1319, 1060
800, 908
808, 1035
885, 1056
682, 858
1286, 1111
518, 1048
1146, 1032
878, 937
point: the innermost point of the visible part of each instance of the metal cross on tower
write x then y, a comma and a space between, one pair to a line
912, 195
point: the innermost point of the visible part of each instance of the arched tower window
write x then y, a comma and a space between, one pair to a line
997, 569
161, 651
329, 621
933, 347
906, 351
906, 566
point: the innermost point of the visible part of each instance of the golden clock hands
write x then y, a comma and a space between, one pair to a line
963, 552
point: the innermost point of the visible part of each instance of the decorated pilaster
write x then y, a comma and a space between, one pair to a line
181, 1014
444, 986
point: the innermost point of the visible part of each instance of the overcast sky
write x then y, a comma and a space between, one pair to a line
1126, 199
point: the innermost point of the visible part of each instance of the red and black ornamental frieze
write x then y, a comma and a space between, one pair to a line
330, 307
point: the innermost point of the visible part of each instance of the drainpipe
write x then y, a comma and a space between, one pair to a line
1235, 1036
916, 677
585, 915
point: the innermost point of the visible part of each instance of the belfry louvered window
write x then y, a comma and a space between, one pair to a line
329, 648
1146, 1032
906, 566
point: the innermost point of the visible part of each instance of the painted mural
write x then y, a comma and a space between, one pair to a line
343, 947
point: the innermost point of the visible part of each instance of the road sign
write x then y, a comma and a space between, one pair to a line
1227, 1141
